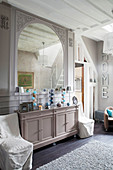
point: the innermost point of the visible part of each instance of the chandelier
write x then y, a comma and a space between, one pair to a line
44, 60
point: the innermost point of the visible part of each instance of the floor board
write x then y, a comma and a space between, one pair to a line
49, 153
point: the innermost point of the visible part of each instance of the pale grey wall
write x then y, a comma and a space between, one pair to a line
4, 52
103, 103
9, 101
95, 50
91, 46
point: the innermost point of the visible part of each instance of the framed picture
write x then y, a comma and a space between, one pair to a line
26, 107
26, 79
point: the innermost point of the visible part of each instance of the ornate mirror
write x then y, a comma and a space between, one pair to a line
40, 58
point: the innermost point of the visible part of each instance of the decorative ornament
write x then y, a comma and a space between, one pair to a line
34, 98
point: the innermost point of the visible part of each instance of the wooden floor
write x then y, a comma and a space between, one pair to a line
49, 153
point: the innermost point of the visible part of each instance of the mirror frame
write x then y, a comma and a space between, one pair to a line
23, 20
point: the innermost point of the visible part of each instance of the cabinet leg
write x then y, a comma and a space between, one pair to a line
54, 143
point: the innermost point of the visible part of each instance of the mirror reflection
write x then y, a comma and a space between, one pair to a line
40, 58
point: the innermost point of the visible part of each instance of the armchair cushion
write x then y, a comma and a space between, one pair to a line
14, 145
17, 151
110, 118
110, 113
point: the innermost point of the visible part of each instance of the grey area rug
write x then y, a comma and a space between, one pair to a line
94, 155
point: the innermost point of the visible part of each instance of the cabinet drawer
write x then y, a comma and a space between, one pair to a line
70, 109
35, 114
65, 109
61, 110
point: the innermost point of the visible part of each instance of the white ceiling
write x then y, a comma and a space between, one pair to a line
83, 16
34, 35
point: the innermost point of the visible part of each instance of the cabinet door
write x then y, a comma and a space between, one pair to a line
71, 120
47, 127
32, 130
60, 123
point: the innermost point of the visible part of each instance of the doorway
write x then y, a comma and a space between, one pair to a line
79, 82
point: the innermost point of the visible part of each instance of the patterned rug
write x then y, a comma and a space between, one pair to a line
94, 155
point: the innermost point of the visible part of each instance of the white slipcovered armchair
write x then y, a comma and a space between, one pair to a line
86, 125
15, 152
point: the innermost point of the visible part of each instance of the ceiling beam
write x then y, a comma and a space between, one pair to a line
75, 7
38, 41
78, 22
99, 9
35, 35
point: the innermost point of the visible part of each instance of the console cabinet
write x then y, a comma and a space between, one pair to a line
48, 126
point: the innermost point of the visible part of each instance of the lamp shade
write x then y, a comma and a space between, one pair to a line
108, 43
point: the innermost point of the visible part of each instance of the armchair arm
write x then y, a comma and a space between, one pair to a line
105, 113
106, 119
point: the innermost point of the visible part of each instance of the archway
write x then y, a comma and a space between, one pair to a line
40, 55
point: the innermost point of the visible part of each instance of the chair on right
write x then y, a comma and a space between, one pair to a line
108, 121
86, 125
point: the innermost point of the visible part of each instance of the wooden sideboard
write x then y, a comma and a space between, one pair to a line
48, 126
